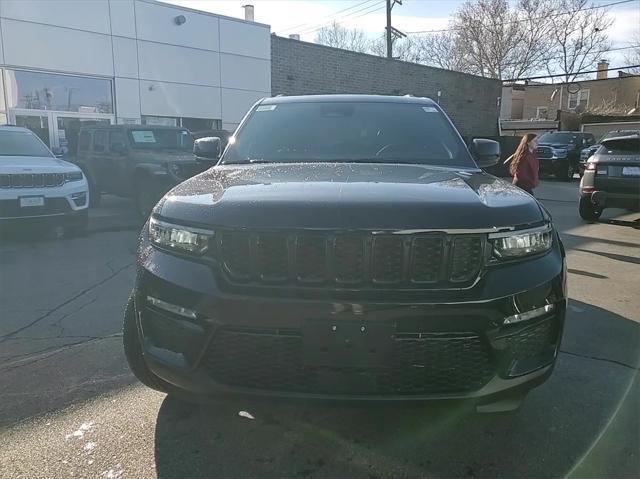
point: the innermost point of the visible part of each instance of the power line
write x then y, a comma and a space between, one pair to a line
307, 24
369, 8
595, 7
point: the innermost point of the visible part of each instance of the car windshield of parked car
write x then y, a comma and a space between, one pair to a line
160, 139
349, 132
21, 143
558, 138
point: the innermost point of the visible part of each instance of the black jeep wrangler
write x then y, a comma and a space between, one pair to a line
136, 161
348, 247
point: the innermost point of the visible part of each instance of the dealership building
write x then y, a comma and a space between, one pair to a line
65, 64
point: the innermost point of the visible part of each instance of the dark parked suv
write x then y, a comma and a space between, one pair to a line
136, 161
348, 247
612, 177
559, 152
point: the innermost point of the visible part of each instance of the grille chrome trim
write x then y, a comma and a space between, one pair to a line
32, 180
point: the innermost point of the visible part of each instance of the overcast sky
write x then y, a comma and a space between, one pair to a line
306, 16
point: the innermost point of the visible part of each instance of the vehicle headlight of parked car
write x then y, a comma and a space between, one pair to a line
559, 152
518, 244
179, 238
74, 176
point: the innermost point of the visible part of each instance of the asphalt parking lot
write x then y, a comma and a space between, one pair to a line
70, 407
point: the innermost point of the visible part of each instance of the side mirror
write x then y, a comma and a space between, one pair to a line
486, 152
207, 149
57, 152
119, 148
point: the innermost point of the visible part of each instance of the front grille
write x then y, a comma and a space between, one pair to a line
423, 363
31, 180
52, 206
341, 260
545, 152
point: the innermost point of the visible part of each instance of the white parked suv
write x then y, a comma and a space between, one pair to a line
36, 186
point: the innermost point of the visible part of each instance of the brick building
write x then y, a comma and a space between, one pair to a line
299, 68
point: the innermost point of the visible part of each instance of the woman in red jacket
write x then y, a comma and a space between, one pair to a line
524, 164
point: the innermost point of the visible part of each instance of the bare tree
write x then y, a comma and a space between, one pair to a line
501, 42
632, 57
403, 49
338, 36
442, 50
579, 37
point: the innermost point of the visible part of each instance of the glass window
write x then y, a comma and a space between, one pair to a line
349, 131
100, 140
84, 141
198, 124
21, 143
580, 98
47, 91
116, 138
159, 120
160, 138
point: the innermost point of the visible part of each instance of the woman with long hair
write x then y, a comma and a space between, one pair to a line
524, 164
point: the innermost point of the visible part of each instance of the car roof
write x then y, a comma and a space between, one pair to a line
14, 127
632, 136
347, 99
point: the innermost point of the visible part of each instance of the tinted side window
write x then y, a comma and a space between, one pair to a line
116, 138
100, 141
84, 141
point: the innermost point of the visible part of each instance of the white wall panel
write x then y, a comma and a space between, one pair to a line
123, 22
178, 64
236, 103
125, 57
1, 46
89, 15
173, 99
245, 73
245, 39
156, 23
127, 98
54, 48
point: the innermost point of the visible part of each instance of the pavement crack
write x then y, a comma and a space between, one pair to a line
21, 360
64, 303
596, 358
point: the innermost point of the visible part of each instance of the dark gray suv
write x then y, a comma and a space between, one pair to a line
136, 161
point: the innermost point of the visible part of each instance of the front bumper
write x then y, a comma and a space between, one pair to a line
61, 203
445, 345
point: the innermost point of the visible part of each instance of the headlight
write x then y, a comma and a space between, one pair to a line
179, 238
559, 152
73, 176
517, 244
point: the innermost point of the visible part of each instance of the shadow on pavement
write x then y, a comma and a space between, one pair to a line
564, 426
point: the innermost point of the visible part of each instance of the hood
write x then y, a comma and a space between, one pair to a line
367, 196
163, 156
35, 164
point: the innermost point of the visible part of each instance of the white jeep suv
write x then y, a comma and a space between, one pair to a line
37, 186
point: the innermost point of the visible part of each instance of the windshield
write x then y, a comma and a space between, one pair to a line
616, 134
341, 131
158, 139
21, 143
558, 138
622, 146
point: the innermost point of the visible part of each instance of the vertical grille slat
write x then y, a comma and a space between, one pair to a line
338, 259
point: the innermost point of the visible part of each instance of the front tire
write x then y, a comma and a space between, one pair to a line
146, 198
566, 173
133, 351
588, 211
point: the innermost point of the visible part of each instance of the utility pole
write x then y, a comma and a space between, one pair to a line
392, 32
389, 43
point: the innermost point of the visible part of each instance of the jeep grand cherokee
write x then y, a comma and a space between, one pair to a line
347, 247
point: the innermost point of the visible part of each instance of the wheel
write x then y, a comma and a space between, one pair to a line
95, 195
588, 211
146, 197
133, 351
566, 173
79, 227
